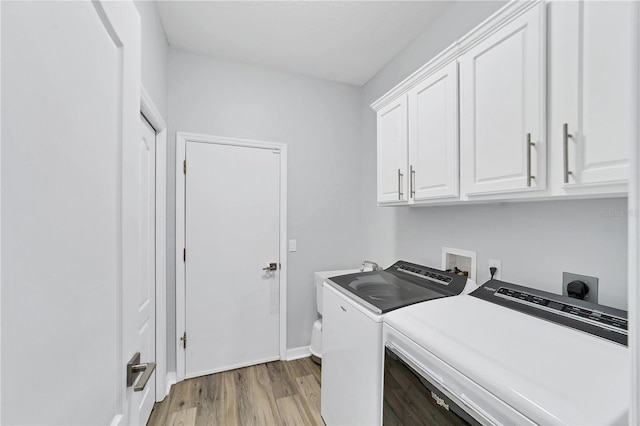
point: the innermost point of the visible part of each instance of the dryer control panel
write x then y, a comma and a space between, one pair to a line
603, 321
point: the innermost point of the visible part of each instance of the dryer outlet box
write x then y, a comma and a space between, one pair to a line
592, 283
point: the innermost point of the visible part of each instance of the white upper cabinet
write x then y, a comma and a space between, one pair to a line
502, 114
392, 153
593, 49
502, 107
433, 136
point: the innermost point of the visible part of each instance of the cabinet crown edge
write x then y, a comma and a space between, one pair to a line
503, 16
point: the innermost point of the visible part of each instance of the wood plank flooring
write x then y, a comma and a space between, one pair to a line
276, 393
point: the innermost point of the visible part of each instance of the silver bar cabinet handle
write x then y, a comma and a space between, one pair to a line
412, 178
400, 194
565, 141
529, 145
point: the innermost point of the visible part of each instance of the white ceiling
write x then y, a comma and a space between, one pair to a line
345, 41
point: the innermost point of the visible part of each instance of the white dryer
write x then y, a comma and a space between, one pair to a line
506, 354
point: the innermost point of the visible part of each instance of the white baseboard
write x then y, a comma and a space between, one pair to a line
297, 353
170, 381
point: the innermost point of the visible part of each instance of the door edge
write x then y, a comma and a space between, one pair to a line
149, 110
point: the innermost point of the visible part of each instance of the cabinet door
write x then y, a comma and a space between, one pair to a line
502, 100
599, 147
433, 136
392, 153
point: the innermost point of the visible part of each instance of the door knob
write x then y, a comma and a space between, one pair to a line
134, 368
271, 267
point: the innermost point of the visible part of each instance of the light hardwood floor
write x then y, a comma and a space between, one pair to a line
276, 393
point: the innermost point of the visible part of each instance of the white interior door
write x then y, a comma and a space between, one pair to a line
70, 108
144, 291
232, 233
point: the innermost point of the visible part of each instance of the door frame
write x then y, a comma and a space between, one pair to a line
633, 217
153, 116
181, 141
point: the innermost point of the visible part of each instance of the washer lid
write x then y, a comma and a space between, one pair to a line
402, 284
550, 373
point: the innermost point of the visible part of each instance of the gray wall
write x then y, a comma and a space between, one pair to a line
320, 122
155, 50
536, 241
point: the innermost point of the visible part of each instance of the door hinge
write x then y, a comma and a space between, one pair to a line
184, 255
184, 167
183, 339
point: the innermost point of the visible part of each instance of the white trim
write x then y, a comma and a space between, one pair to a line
496, 22
117, 420
180, 266
170, 380
444, 58
0, 221
153, 116
634, 241
181, 140
297, 353
489, 26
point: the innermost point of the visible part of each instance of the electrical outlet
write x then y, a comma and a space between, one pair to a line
498, 265
592, 283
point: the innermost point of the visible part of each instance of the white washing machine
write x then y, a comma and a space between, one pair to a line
354, 306
507, 354
316, 332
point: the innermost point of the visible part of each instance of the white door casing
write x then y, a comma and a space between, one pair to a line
502, 100
634, 240
183, 142
71, 107
153, 116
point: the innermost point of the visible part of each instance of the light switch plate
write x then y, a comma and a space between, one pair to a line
592, 283
293, 245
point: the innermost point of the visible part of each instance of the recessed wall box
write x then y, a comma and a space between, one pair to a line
465, 260
591, 282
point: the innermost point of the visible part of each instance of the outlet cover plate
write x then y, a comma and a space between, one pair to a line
592, 282
498, 265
